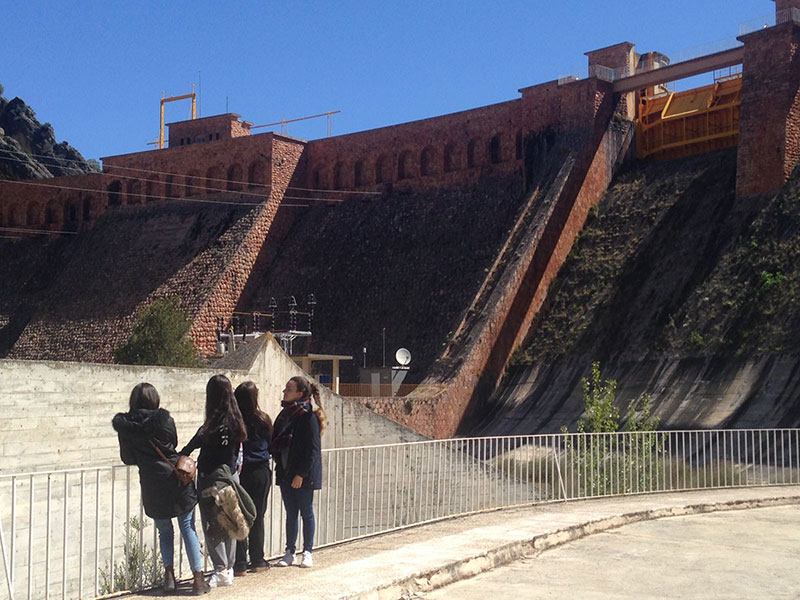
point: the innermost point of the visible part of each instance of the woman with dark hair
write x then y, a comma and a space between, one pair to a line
256, 476
143, 431
297, 449
218, 439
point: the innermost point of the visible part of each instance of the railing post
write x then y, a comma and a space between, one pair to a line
557, 457
9, 581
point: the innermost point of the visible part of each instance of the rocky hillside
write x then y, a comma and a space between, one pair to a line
28, 149
672, 264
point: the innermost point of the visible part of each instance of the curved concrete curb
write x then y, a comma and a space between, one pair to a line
426, 581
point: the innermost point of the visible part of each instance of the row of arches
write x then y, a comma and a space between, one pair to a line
195, 183
410, 164
58, 213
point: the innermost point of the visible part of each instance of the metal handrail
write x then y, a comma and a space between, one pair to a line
85, 532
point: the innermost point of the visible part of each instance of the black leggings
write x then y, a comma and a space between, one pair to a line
256, 479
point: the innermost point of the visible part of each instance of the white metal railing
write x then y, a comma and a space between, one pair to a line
82, 532
787, 15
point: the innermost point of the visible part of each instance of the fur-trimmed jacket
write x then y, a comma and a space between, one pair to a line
163, 496
225, 507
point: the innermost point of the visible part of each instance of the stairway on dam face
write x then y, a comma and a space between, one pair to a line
680, 290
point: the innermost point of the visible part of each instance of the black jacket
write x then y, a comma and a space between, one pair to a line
163, 496
304, 456
216, 450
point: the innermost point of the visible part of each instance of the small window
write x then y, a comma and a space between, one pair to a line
217, 136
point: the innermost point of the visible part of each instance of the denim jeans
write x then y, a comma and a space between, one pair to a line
221, 551
298, 501
166, 538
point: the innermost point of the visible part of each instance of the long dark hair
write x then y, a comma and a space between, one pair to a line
247, 398
309, 390
144, 395
222, 410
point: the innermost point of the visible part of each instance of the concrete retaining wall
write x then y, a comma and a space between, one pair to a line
57, 415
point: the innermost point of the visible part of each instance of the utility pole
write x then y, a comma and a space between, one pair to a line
384, 347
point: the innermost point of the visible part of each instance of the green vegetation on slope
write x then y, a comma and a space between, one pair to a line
671, 263
160, 336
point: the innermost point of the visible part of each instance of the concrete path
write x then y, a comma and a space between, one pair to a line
421, 559
732, 554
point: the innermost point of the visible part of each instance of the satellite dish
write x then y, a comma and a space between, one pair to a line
402, 356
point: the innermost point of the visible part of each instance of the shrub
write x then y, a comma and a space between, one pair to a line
139, 567
160, 336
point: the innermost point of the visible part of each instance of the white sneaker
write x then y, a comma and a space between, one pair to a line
221, 578
287, 560
307, 561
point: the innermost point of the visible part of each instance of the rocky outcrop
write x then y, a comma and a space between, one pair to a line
28, 148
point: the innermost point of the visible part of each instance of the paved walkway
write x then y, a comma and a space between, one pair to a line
421, 559
732, 554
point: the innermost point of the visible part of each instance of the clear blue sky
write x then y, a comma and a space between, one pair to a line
96, 70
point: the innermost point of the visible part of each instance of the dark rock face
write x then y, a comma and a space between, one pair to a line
28, 149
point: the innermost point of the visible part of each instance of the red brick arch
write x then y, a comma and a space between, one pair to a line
235, 177
383, 173
427, 162
214, 177
359, 174
405, 165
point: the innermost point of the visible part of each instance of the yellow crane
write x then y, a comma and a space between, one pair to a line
164, 100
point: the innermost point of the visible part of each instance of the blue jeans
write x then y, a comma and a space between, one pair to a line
166, 537
298, 501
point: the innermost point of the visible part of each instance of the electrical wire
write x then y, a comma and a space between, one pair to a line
202, 188
165, 173
191, 199
40, 231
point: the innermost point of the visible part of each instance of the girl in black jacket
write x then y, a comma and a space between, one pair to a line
256, 476
218, 439
143, 428
296, 447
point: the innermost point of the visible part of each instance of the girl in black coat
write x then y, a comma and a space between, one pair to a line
143, 428
256, 476
296, 447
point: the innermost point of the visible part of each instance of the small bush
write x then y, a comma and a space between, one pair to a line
139, 568
160, 336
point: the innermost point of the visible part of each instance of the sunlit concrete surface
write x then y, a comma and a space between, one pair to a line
734, 554
419, 560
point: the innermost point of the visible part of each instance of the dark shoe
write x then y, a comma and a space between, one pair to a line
238, 573
260, 568
199, 585
169, 580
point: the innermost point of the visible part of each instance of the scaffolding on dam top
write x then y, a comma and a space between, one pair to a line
675, 124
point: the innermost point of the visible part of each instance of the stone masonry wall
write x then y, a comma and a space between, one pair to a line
442, 151
225, 296
472, 372
71, 203
769, 125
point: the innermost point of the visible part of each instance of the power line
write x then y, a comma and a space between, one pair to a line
40, 231
196, 187
165, 173
176, 198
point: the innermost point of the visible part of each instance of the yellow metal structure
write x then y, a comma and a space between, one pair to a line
164, 100
670, 125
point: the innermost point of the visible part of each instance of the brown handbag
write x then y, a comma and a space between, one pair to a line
185, 467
